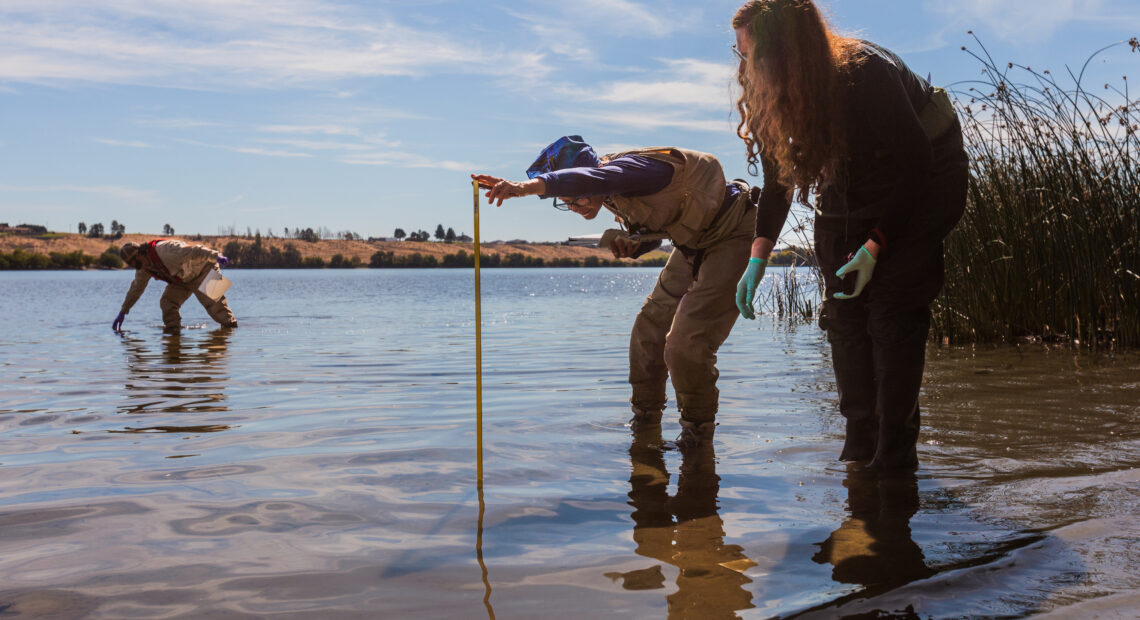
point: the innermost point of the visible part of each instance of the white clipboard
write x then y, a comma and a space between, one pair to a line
214, 285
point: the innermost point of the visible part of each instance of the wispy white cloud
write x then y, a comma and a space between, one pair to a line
177, 123
256, 150
628, 18
569, 30
370, 150
114, 192
562, 40
234, 43
686, 94
1030, 20
248, 150
642, 121
317, 145
328, 130
690, 83
136, 144
406, 160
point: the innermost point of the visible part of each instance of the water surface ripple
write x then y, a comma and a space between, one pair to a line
319, 461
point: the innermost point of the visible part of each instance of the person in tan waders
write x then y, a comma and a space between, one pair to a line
664, 192
183, 267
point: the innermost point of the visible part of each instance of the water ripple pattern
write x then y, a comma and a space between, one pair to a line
319, 461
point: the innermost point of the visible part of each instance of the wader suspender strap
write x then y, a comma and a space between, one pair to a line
698, 256
159, 266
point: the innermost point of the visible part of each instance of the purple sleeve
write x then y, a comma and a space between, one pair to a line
632, 175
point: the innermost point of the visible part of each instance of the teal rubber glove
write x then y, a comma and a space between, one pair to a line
862, 265
746, 288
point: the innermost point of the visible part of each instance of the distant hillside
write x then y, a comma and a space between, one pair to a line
325, 249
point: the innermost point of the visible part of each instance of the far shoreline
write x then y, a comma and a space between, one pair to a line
71, 251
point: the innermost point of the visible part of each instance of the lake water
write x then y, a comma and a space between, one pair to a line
320, 462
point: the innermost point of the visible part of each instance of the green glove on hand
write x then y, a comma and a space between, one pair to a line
863, 265
746, 288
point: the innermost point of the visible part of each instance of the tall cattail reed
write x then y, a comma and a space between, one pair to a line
1049, 246
796, 293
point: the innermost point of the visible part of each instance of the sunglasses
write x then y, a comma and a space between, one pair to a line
739, 54
577, 202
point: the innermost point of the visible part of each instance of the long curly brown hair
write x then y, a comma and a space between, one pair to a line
793, 84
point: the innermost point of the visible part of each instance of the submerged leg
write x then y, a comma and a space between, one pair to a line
853, 361
900, 356
218, 310
171, 301
703, 321
647, 370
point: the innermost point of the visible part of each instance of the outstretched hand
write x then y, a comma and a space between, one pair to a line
117, 324
502, 189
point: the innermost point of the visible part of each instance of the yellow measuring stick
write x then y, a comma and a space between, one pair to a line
479, 413
478, 344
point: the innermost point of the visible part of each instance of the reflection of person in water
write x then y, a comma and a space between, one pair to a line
873, 547
684, 531
184, 377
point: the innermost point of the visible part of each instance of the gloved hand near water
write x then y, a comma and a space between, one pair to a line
118, 322
746, 288
862, 264
223, 261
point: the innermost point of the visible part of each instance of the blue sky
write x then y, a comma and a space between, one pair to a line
367, 116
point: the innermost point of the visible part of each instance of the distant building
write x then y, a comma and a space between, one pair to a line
22, 229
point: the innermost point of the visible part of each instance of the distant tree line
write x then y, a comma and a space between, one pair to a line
23, 229
257, 255
793, 256
96, 230
383, 260
19, 259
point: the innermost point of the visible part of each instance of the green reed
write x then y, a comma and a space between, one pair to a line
1049, 246
794, 295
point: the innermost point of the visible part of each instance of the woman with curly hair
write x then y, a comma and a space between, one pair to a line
844, 124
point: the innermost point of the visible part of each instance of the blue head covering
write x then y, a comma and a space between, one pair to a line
566, 152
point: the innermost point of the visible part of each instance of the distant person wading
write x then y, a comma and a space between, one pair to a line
183, 267
882, 149
660, 192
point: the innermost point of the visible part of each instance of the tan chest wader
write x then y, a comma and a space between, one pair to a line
692, 308
179, 290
